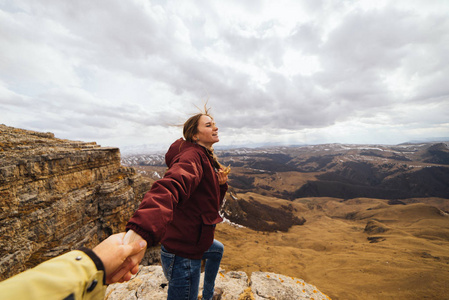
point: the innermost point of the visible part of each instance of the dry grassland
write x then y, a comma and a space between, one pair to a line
408, 260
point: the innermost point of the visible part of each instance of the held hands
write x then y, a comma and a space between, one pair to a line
121, 260
130, 238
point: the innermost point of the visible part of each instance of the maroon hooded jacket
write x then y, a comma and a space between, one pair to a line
181, 209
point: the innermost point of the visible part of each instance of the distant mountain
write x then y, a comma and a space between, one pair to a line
333, 170
156, 159
158, 148
142, 149
344, 171
429, 140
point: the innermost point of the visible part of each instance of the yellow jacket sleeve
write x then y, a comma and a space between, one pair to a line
73, 275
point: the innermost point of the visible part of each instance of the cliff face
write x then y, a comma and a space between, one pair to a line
57, 195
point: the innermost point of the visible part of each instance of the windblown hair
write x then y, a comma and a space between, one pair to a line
191, 125
191, 128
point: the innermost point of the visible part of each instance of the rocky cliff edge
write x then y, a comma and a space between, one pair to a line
57, 195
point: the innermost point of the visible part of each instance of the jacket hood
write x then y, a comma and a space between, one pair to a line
179, 146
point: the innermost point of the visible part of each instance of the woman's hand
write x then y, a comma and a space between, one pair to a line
222, 177
120, 260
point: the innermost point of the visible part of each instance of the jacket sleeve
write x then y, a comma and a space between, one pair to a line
156, 209
73, 275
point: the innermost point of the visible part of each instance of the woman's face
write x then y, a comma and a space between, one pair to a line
207, 132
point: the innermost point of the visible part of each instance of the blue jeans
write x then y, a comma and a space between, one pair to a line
183, 274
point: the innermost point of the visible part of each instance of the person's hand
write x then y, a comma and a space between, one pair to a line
120, 261
222, 177
131, 237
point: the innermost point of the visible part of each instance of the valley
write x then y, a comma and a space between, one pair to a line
357, 249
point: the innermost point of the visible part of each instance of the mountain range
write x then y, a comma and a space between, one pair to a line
332, 170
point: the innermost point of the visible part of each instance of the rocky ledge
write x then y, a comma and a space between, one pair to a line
57, 195
150, 284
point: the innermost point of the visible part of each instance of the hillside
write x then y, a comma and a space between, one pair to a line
361, 248
344, 171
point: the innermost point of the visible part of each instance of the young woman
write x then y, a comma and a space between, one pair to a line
181, 211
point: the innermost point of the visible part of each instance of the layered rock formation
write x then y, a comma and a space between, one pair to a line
150, 284
57, 195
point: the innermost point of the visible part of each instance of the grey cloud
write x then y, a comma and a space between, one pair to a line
115, 37
372, 39
288, 104
306, 37
369, 45
260, 48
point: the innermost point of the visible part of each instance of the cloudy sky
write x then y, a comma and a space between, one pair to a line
123, 73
